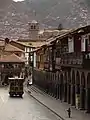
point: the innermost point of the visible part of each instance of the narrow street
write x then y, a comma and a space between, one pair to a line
22, 109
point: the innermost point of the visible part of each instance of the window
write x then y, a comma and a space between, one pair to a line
31, 26
58, 52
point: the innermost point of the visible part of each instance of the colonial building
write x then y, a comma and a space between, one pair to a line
10, 65
27, 46
66, 71
11, 60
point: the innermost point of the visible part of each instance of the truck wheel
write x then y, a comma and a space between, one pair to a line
20, 96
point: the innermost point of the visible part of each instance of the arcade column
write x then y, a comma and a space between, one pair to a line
73, 95
77, 96
88, 100
69, 93
65, 92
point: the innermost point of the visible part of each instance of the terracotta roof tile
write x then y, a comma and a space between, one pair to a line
11, 59
2, 43
33, 44
11, 48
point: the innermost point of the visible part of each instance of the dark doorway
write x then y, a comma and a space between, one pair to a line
77, 94
61, 87
88, 93
73, 89
58, 85
83, 92
69, 94
69, 87
65, 87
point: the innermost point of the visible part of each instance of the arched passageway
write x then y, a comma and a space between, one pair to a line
69, 88
88, 93
61, 87
57, 87
59, 78
47, 82
54, 83
50, 83
65, 87
73, 89
77, 90
52, 87
82, 92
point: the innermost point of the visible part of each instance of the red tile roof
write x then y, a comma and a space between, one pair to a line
2, 43
11, 59
11, 48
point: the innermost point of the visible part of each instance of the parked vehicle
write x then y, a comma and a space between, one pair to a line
16, 86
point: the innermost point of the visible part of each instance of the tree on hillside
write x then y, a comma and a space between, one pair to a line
60, 26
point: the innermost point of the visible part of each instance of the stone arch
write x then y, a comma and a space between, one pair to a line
77, 94
69, 87
53, 77
61, 86
65, 86
57, 86
73, 89
54, 85
82, 92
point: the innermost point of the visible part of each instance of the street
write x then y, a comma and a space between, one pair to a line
22, 109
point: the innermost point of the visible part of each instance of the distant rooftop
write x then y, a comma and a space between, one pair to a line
11, 48
32, 44
33, 21
11, 59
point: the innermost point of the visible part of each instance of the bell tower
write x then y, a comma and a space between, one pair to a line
33, 29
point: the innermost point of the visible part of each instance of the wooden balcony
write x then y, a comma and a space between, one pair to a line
46, 65
6, 70
72, 60
57, 64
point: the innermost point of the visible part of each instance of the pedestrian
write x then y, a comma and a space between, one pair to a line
69, 112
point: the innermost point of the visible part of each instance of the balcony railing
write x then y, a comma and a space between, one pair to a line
73, 59
6, 70
57, 64
46, 65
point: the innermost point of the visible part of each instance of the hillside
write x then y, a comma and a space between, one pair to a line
15, 16
70, 13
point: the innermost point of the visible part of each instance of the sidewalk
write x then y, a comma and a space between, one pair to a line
56, 106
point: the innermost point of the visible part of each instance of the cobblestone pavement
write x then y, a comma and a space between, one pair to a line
60, 108
22, 109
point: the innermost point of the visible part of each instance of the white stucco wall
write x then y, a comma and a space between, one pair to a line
71, 45
34, 59
83, 42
